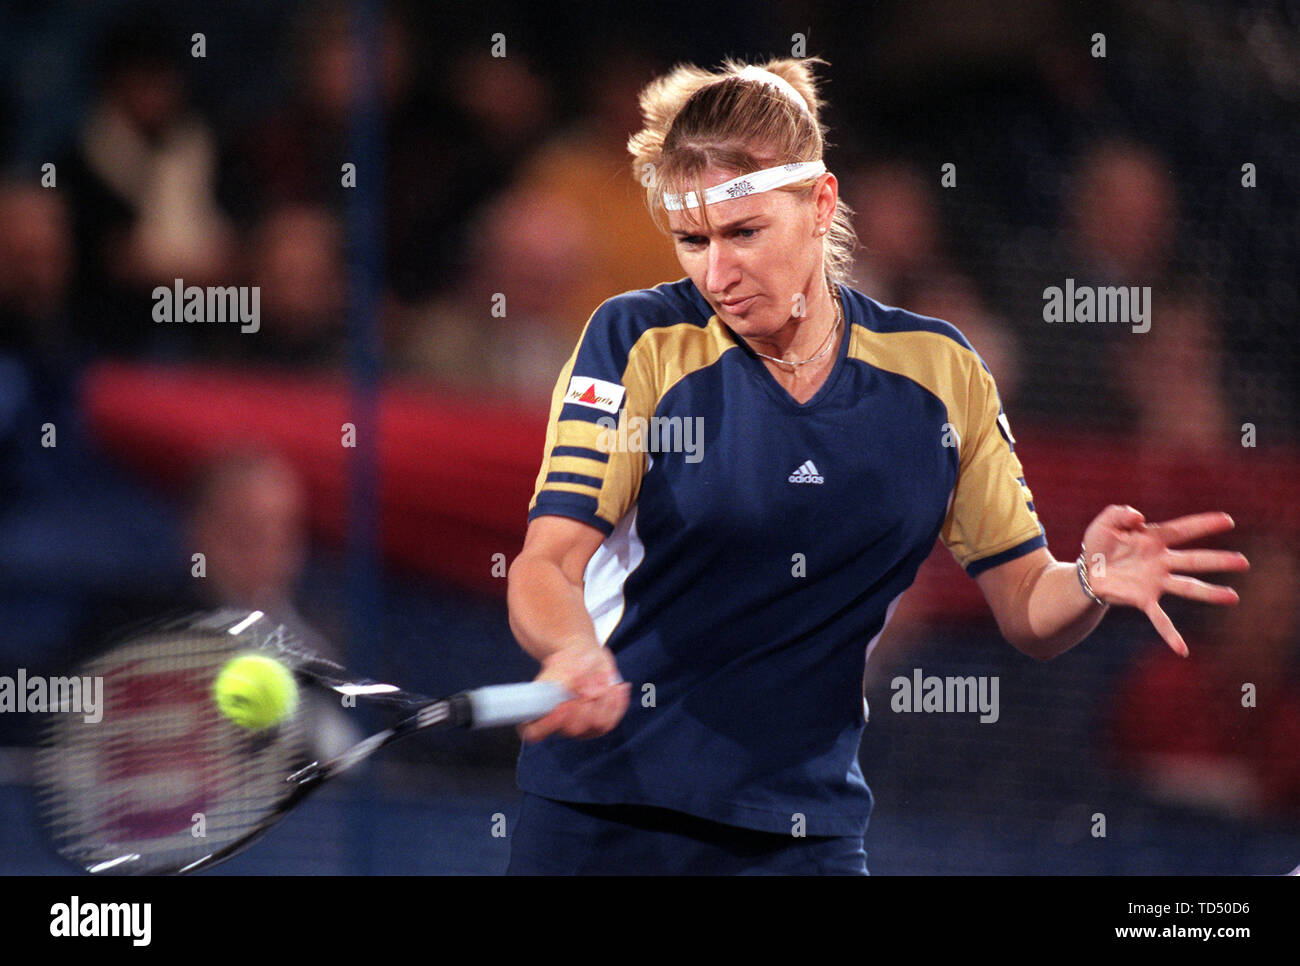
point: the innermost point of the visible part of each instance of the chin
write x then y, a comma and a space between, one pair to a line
753, 322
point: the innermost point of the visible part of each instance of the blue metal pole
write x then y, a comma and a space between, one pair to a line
365, 281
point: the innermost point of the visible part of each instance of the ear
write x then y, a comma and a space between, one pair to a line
826, 195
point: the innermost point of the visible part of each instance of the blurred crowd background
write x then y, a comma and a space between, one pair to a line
1169, 162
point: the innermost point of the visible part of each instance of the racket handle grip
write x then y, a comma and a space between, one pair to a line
511, 704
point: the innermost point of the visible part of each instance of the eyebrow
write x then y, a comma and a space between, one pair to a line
684, 233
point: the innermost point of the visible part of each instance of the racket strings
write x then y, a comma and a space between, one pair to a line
163, 779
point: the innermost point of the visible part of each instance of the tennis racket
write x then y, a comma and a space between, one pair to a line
164, 783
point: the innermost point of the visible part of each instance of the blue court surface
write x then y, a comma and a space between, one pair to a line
402, 822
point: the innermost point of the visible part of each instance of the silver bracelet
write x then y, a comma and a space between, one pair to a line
1081, 568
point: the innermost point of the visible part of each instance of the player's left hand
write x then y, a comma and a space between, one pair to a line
1130, 562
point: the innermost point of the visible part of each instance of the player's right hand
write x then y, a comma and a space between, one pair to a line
600, 694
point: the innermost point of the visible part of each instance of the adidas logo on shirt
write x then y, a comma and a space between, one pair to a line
807, 473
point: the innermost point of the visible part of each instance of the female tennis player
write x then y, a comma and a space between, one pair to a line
743, 471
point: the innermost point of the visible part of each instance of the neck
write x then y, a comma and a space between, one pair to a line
803, 337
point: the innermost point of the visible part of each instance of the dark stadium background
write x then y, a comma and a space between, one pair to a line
480, 175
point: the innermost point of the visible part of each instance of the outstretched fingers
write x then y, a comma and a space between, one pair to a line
1194, 589
1192, 527
1207, 561
1165, 628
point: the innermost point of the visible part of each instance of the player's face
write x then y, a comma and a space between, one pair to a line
762, 253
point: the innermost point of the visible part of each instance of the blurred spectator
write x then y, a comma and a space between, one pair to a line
295, 155
440, 172
1172, 377
1221, 729
903, 261
532, 251
248, 518
587, 168
897, 220
48, 469
72, 525
1121, 214
504, 100
246, 515
38, 360
1119, 228
36, 257
492, 113
296, 259
140, 181
37, 371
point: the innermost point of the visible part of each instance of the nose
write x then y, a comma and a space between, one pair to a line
723, 270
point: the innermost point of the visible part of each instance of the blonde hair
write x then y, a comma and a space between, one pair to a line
696, 119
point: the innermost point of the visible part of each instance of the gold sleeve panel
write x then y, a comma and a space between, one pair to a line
990, 506
657, 361
990, 511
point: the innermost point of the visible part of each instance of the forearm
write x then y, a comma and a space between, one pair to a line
547, 611
1056, 614
549, 619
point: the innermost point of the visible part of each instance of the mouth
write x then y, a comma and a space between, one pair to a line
737, 306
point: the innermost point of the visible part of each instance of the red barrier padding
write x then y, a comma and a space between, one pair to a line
456, 473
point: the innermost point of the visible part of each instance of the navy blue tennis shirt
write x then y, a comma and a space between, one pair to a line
746, 574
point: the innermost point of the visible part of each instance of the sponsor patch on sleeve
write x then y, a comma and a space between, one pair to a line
596, 393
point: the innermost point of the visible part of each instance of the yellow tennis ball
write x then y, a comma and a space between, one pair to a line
255, 691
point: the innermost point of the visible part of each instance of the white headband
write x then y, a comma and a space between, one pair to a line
749, 184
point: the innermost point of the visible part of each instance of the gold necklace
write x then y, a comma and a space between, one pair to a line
826, 343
